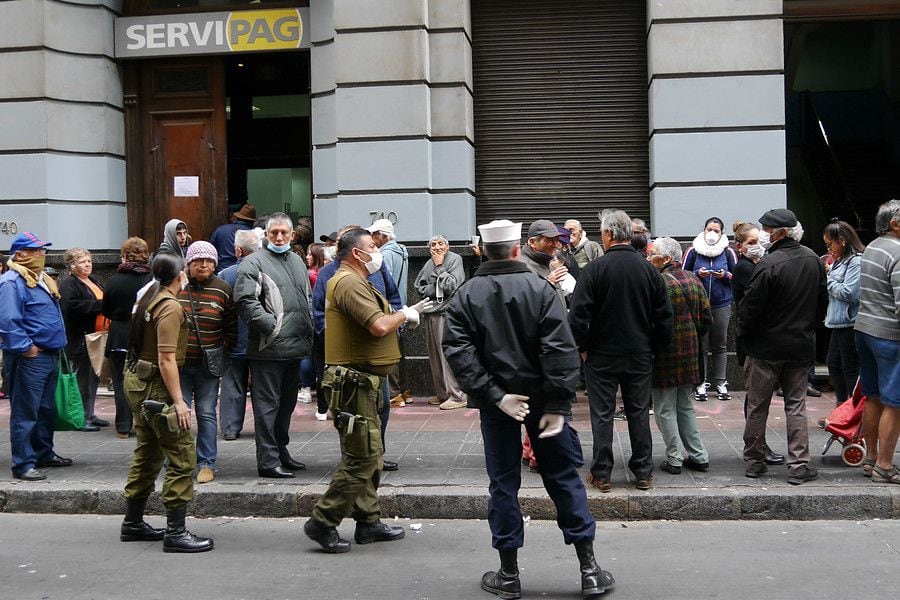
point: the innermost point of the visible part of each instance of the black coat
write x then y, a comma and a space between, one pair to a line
621, 306
80, 309
118, 301
782, 304
505, 332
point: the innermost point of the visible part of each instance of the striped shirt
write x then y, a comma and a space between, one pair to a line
879, 289
216, 317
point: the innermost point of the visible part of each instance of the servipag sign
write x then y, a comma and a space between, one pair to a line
212, 33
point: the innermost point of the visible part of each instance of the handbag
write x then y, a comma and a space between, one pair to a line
69, 406
95, 343
213, 358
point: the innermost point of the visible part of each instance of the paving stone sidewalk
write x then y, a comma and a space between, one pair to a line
442, 472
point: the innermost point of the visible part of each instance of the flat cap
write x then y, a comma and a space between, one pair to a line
778, 217
544, 228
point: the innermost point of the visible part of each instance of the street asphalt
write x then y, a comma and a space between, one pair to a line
79, 557
442, 472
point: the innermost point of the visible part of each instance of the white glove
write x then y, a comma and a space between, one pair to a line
550, 425
413, 313
515, 406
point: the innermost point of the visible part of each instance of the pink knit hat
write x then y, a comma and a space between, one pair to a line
199, 250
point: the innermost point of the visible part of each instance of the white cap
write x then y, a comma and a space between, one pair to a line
500, 231
382, 225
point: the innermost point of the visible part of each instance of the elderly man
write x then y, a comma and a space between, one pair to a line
272, 295
677, 368
508, 342
777, 319
32, 332
620, 317
539, 255
583, 249
878, 343
437, 280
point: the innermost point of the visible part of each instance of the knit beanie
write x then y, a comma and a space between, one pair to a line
199, 250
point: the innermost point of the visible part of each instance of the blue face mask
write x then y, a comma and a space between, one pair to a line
278, 249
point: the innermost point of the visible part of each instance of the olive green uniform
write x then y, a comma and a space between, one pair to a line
166, 331
357, 363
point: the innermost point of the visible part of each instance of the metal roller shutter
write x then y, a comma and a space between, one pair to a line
560, 109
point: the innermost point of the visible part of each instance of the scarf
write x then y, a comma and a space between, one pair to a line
538, 257
133, 267
33, 278
704, 249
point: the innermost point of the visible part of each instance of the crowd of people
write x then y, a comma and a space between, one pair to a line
264, 308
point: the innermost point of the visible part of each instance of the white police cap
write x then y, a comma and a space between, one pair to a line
500, 231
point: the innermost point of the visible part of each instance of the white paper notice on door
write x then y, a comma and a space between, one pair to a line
187, 186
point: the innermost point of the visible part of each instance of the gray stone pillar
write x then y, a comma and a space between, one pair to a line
62, 156
717, 142
392, 116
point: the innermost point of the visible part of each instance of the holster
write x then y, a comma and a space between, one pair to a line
144, 369
350, 391
151, 409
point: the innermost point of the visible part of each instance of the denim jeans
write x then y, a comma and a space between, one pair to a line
307, 378
197, 385
32, 386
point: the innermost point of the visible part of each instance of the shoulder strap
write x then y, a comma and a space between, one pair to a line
194, 317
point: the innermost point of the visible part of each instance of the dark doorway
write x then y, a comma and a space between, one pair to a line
267, 109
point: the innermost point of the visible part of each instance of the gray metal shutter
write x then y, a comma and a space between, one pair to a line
560, 109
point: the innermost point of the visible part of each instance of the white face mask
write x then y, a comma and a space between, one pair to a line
712, 238
765, 239
754, 251
375, 260
184, 282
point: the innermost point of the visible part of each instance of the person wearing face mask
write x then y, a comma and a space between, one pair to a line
777, 317
272, 294
711, 259
32, 333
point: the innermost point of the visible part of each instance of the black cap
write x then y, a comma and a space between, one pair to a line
778, 217
331, 237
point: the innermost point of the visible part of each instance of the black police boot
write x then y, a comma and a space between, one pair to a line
179, 539
366, 533
594, 580
327, 537
505, 581
134, 528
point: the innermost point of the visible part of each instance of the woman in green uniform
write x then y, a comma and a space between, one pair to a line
156, 348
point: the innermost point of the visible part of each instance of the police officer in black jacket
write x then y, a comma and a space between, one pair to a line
507, 340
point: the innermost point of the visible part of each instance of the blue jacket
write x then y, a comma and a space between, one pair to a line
843, 293
718, 290
382, 281
229, 275
29, 317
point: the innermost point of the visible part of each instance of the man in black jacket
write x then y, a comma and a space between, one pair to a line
508, 343
776, 321
620, 316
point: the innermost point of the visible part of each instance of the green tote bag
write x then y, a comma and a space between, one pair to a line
69, 407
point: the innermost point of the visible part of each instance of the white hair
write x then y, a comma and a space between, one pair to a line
247, 240
618, 224
436, 238
280, 219
796, 231
887, 212
574, 222
668, 247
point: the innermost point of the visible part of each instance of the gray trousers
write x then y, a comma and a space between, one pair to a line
673, 409
273, 393
716, 343
762, 376
442, 378
233, 395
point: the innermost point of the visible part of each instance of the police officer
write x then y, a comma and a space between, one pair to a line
361, 349
508, 341
156, 348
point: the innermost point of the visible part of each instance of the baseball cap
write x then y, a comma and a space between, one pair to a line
382, 225
25, 240
330, 237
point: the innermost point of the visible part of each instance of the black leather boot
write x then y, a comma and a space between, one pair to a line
179, 539
594, 580
134, 528
366, 533
505, 581
326, 536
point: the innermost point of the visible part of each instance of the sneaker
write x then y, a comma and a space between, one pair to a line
305, 395
435, 401
700, 394
619, 415
322, 416
801, 475
398, 401
451, 404
755, 470
407, 396
205, 475
722, 391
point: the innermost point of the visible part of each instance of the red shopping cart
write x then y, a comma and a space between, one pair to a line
845, 426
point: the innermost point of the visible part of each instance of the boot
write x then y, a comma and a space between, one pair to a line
178, 538
134, 528
505, 581
326, 536
594, 580
366, 533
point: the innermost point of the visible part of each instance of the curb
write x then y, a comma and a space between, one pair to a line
461, 502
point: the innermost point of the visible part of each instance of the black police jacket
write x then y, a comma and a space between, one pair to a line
506, 332
785, 298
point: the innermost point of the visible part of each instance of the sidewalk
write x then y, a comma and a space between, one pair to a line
442, 472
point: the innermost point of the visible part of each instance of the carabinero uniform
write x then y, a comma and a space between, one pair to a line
165, 330
358, 363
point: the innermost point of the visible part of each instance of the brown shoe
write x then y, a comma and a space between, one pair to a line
205, 475
407, 396
644, 484
398, 401
601, 484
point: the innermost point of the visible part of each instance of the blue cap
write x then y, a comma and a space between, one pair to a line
26, 239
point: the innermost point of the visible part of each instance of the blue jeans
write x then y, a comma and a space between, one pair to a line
32, 386
197, 385
307, 378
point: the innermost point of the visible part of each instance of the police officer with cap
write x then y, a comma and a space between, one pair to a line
361, 349
508, 342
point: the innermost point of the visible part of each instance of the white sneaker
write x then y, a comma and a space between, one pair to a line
321, 416
700, 394
722, 391
305, 395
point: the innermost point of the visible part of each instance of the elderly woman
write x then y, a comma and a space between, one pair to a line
81, 304
677, 369
438, 280
132, 274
